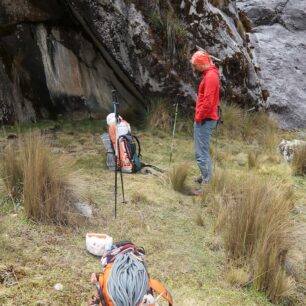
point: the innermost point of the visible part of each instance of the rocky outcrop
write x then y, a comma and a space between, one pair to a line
288, 147
279, 39
66, 56
48, 66
153, 41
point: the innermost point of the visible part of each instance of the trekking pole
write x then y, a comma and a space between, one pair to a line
220, 121
121, 176
117, 154
174, 128
216, 147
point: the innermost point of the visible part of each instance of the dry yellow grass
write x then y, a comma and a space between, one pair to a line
233, 120
199, 220
178, 175
241, 29
12, 171
138, 197
50, 184
253, 159
158, 116
237, 277
298, 163
250, 127
47, 183
254, 220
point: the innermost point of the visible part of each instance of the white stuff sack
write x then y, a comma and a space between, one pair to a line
123, 128
98, 244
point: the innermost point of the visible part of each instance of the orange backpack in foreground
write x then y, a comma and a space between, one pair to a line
103, 299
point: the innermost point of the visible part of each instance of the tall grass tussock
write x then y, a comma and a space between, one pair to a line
241, 29
254, 221
48, 184
158, 115
249, 127
178, 175
11, 171
253, 160
298, 163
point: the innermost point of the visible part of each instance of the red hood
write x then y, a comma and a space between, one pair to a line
211, 68
208, 95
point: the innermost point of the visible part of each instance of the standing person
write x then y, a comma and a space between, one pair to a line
206, 112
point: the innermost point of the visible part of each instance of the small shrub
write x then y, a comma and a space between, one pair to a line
180, 29
241, 29
182, 54
178, 176
158, 116
157, 23
247, 24
51, 188
298, 163
12, 172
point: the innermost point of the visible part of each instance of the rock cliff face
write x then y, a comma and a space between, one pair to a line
65, 56
48, 65
279, 39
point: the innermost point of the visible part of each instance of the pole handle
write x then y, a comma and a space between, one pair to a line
115, 104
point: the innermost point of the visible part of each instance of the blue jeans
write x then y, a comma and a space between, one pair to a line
202, 134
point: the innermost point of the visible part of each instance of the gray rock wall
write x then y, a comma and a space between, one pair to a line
153, 42
66, 56
49, 66
279, 38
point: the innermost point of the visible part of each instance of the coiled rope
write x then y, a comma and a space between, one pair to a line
128, 280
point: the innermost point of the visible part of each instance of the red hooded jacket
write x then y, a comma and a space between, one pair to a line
208, 95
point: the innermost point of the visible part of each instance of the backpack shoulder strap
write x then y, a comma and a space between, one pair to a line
138, 144
99, 285
161, 290
102, 286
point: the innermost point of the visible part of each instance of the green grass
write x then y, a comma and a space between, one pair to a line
69, 126
177, 231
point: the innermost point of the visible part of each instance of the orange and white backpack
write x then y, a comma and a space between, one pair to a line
128, 144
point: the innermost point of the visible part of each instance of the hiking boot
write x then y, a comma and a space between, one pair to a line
198, 179
200, 191
196, 192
